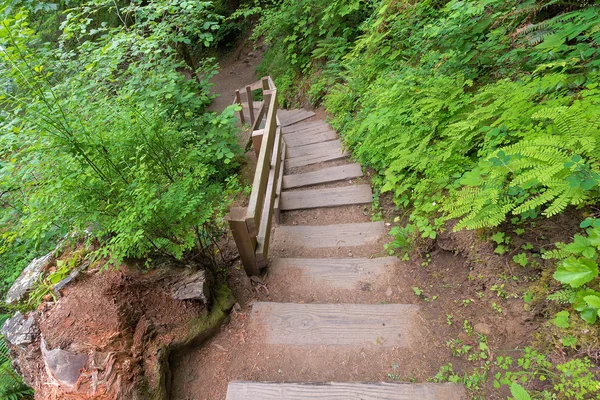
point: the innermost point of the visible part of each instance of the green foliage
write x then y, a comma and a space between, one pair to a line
519, 392
578, 269
103, 130
468, 110
11, 384
573, 379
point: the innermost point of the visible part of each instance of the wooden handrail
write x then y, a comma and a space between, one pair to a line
251, 226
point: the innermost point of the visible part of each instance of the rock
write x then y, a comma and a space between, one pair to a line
482, 328
28, 278
64, 366
19, 330
61, 285
252, 54
389, 292
192, 286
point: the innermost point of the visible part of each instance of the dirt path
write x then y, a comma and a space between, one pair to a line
235, 71
286, 331
333, 306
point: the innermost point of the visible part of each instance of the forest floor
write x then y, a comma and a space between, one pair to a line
467, 295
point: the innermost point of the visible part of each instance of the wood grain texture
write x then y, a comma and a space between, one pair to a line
316, 157
303, 139
341, 235
337, 273
292, 117
263, 166
332, 197
264, 232
315, 148
386, 325
325, 175
307, 130
277, 206
239, 390
306, 125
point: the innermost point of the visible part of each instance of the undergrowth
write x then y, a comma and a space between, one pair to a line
482, 113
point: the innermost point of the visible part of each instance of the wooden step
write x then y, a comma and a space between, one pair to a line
239, 390
303, 151
302, 126
332, 197
363, 325
325, 175
290, 117
342, 235
338, 273
307, 130
302, 139
316, 157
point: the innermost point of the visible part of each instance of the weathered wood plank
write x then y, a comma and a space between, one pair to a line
337, 273
250, 102
315, 148
332, 197
305, 126
387, 325
263, 164
238, 100
239, 390
316, 158
244, 241
325, 175
294, 116
341, 235
264, 232
285, 114
277, 206
301, 139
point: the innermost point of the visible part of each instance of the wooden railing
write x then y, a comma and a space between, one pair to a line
251, 226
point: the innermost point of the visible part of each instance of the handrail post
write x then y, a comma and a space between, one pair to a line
245, 242
257, 135
250, 104
238, 100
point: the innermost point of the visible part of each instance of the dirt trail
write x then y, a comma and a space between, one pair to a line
235, 71
443, 287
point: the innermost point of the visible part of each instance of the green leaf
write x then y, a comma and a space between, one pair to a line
519, 392
561, 319
593, 301
576, 271
569, 341
500, 250
498, 237
521, 259
589, 315
579, 245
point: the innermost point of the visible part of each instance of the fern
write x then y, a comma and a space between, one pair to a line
548, 170
564, 296
11, 385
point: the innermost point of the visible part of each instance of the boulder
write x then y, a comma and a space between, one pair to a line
19, 330
29, 277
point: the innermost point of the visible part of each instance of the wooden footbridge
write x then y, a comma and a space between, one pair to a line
298, 154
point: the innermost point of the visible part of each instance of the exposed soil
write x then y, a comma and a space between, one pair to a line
122, 322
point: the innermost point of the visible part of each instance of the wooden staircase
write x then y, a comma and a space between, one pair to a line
305, 332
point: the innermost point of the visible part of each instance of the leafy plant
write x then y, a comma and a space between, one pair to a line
113, 136
578, 269
11, 384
